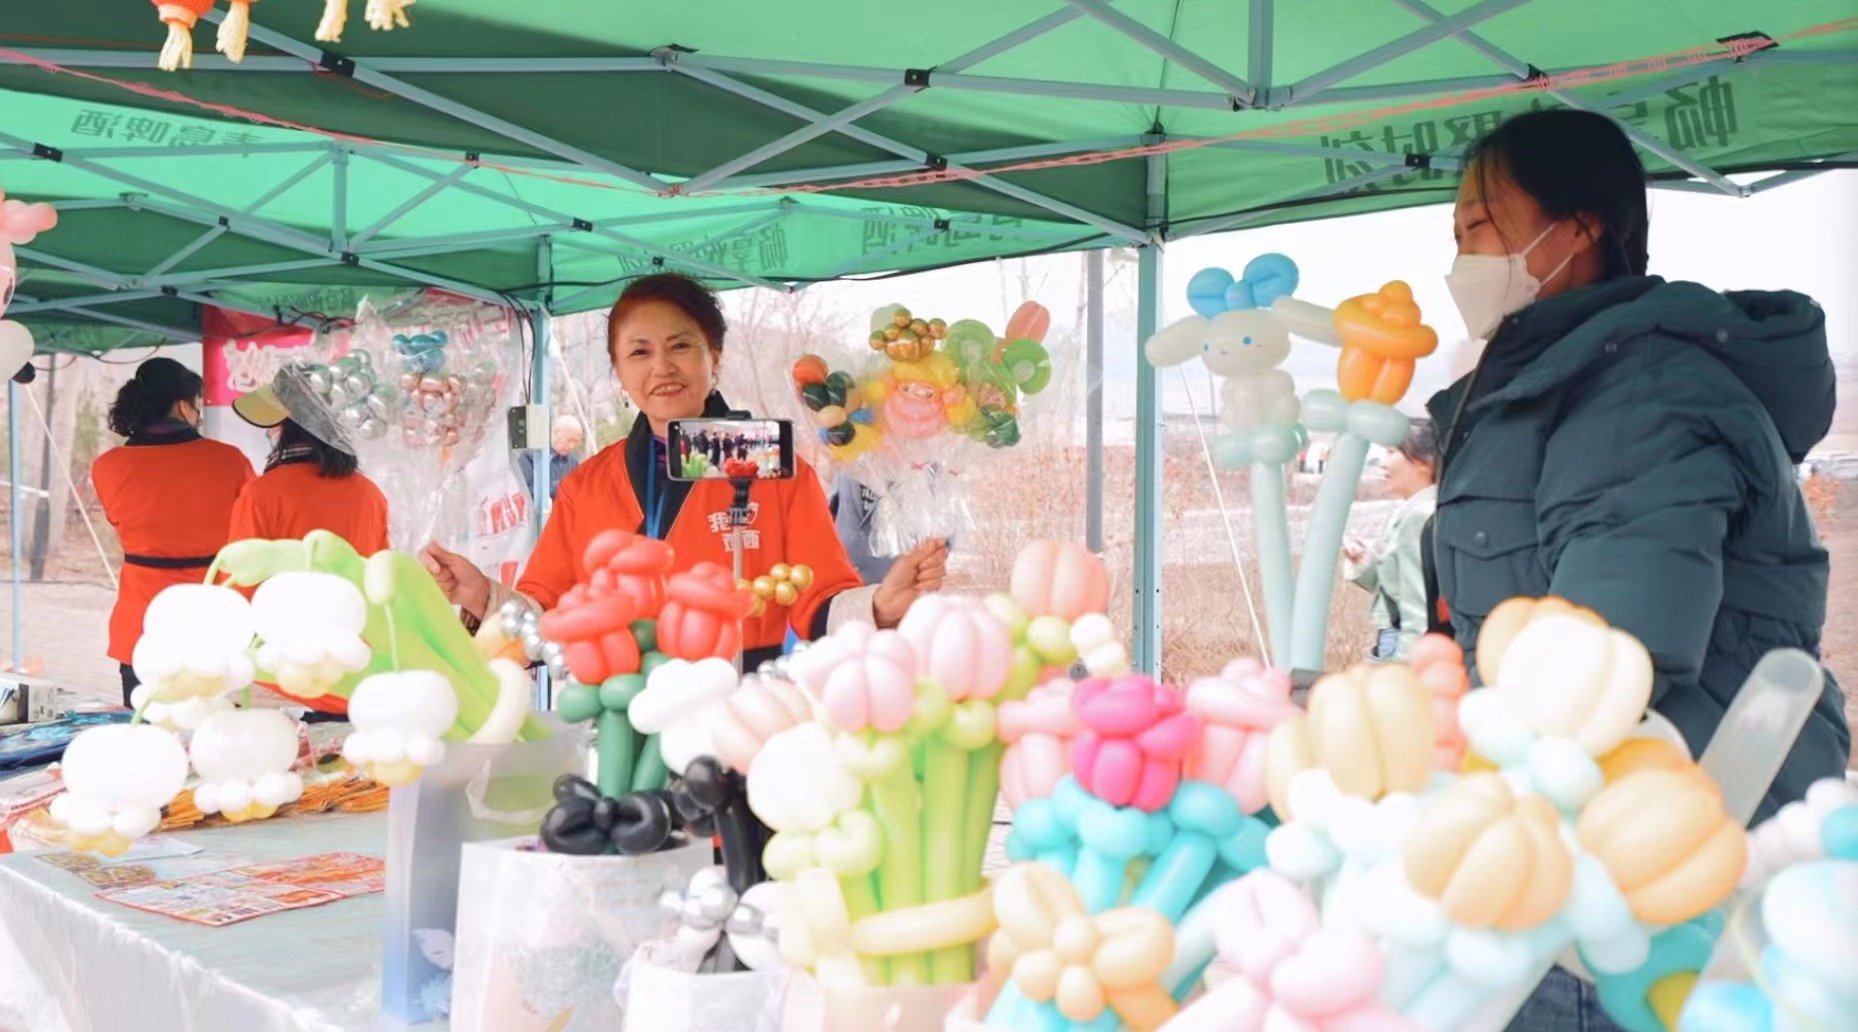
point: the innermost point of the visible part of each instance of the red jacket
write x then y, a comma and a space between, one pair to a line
790, 524
292, 500
170, 498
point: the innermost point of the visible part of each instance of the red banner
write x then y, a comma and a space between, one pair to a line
241, 353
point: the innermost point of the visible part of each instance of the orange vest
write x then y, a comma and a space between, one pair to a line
789, 523
168, 501
292, 500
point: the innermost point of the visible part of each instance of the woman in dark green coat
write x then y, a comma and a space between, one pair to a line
1628, 444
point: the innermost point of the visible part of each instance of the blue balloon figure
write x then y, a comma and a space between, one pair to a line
1207, 291
1267, 278
422, 354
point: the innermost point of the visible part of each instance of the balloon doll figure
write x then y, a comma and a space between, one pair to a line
1244, 343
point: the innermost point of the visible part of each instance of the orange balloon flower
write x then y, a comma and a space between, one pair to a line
1667, 843
1491, 858
1382, 338
1370, 728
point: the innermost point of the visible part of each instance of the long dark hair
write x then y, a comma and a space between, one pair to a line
1574, 163
331, 461
150, 395
1421, 444
695, 299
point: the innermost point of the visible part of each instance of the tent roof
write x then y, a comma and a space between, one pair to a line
545, 151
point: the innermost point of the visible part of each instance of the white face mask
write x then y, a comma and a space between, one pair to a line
1488, 287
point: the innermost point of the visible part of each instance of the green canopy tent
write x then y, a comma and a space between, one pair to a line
540, 153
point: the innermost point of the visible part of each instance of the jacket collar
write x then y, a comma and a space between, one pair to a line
650, 482
163, 431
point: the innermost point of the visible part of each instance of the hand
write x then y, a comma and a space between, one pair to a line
916, 573
1355, 552
465, 585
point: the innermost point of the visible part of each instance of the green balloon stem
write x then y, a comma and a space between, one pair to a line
978, 821
894, 802
861, 902
945, 786
650, 773
616, 749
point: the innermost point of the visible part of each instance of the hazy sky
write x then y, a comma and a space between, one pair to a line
1802, 237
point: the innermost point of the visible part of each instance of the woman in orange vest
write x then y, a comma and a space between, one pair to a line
665, 339
311, 480
168, 492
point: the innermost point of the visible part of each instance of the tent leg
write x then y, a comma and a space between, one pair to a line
1148, 455
14, 503
1093, 404
542, 475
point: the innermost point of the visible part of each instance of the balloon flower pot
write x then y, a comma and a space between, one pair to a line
812, 1007
542, 936
477, 793
662, 999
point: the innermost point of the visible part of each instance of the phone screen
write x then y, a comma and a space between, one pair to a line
731, 449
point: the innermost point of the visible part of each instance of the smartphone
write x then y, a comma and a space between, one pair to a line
731, 449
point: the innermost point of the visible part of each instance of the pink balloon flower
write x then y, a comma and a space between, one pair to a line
1293, 972
20, 222
1239, 708
1038, 731
1439, 662
961, 644
863, 677
1136, 733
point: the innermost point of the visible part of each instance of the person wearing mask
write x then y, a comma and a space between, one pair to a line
168, 492
564, 454
665, 337
1393, 571
1628, 444
312, 480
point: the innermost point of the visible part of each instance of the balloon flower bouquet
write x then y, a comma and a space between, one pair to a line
322, 621
1435, 851
928, 401
1242, 330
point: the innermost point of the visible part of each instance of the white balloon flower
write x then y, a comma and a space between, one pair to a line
117, 778
399, 719
244, 758
194, 644
309, 626
675, 707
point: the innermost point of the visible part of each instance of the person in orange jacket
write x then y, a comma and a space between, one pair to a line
312, 480
665, 339
168, 492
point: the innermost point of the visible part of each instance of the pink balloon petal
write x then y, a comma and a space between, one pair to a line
1333, 970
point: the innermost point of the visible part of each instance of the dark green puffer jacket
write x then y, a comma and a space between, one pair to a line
1631, 447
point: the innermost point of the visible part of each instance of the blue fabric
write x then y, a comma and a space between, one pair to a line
655, 493
1562, 1003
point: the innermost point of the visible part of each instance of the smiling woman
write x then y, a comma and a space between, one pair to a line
665, 339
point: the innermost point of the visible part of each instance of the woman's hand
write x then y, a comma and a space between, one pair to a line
1355, 551
916, 573
465, 585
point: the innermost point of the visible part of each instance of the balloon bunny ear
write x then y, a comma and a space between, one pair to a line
1178, 342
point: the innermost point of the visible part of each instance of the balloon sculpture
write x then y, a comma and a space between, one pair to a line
1242, 331
180, 16
927, 386
323, 621
19, 224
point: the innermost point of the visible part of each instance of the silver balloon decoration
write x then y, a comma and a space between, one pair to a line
532, 642
510, 618
362, 359
352, 418
372, 429
359, 384
553, 653
316, 377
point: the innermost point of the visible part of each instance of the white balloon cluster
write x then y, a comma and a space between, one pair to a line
200, 643
399, 720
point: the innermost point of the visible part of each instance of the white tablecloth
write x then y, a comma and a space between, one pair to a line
70, 962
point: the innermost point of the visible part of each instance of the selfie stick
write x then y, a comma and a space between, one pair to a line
738, 519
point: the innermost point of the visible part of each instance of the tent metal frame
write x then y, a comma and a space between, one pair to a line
367, 247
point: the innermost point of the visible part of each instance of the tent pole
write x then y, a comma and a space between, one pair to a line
1304, 90
367, 76
863, 262
1520, 68
975, 223
187, 251
14, 504
541, 463
1093, 403
1261, 47
1240, 91
887, 168
822, 124
408, 205
596, 229
904, 150
1148, 443
338, 212
1783, 178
